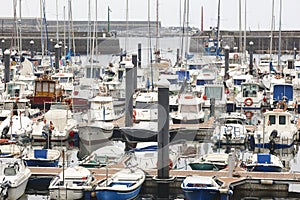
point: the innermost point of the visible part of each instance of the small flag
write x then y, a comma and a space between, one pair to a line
109, 10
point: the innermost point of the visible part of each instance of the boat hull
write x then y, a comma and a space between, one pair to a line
187, 121
92, 138
206, 166
264, 168
17, 192
201, 193
66, 193
117, 195
41, 163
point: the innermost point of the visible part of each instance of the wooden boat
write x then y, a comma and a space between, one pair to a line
264, 162
14, 177
71, 183
123, 185
42, 158
202, 188
45, 90
213, 161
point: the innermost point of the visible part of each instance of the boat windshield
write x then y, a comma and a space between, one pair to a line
189, 108
145, 105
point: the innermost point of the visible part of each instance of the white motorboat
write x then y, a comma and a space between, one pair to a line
71, 183
189, 110
14, 177
231, 129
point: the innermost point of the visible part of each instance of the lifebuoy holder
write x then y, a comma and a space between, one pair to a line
248, 102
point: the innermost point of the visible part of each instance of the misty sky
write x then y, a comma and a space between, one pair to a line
258, 13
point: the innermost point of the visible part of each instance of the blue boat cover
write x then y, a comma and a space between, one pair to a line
40, 153
183, 75
264, 158
283, 90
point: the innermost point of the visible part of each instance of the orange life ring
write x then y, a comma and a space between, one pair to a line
134, 116
235, 56
170, 164
249, 114
248, 102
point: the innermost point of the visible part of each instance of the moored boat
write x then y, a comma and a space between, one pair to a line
71, 183
202, 188
264, 162
123, 185
14, 177
213, 161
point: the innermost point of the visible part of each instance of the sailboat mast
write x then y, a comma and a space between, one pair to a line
20, 27
240, 26
157, 28
64, 31
126, 39
245, 31
187, 26
279, 37
272, 28
57, 39
42, 38
218, 27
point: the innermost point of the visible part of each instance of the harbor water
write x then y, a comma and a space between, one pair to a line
169, 46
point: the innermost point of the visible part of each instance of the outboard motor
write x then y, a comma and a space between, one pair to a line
4, 189
4, 132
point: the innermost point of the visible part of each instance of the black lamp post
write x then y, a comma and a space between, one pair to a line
251, 58
31, 47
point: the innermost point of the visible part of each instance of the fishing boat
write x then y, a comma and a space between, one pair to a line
214, 91
45, 90
264, 162
14, 177
202, 188
58, 119
107, 155
42, 157
65, 80
145, 115
231, 129
282, 93
96, 127
277, 130
145, 155
71, 183
189, 110
250, 96
212, 161
123, 185
16, 125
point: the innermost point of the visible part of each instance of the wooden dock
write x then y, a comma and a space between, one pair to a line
240, 178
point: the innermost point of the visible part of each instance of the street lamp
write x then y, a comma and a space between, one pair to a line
2, 47
251, 58
226, 75
31, 47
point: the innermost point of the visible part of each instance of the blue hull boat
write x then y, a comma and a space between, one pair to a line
202, 188
42, 158
125, 184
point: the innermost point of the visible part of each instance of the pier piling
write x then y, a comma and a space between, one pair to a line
139, 55
56, 57
163, 164
134, 62
226, 75
7, 66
